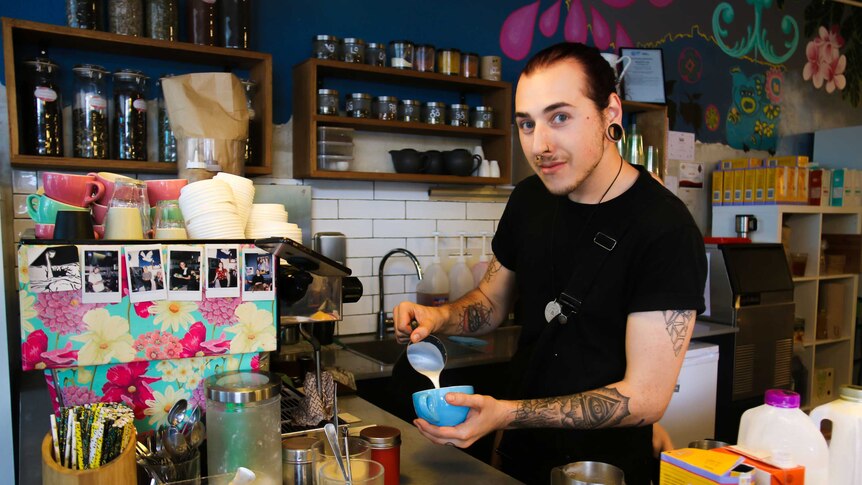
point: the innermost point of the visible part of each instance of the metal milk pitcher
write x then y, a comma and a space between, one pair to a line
587, 473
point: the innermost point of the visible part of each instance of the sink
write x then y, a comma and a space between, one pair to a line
387, 352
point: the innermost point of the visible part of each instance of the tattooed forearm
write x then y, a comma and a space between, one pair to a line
676, 322
601, 408
493, 268
475, 318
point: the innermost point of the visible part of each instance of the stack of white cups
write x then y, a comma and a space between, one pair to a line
210, 211
243, 193
270, 220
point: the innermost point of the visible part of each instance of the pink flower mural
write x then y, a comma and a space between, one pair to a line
195, 344
826, 64
128, 384
63, 311
35, 354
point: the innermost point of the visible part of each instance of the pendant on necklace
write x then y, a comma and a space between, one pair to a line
554, 310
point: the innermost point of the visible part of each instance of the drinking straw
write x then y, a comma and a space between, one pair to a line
69, 434
79, 452
55, 439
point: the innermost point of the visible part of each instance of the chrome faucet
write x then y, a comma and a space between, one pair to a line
381, 313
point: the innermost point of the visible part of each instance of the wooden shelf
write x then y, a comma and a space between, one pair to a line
310, 75
23, 32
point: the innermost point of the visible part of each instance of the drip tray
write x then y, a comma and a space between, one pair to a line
387, 352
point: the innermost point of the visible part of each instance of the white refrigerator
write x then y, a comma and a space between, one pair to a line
690, 415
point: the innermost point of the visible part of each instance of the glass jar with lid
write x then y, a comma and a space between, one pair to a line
84, 14
244, 424
386, 107
325, 47
126, 17
353, 50
90, 112
459, 115
163, 21
470, 64
42, 108
482, 117
401, 54
235, 22
449, 61
434, 113
130, 115
358, 105
254, 130
375, 54
409, 110
425, 58
202, 18
327, 102
167, 140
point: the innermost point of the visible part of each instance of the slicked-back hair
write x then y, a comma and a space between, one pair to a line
600, 78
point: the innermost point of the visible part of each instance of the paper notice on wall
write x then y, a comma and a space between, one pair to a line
691, 175
680, 146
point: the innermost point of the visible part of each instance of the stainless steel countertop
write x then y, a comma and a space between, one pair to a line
421, 460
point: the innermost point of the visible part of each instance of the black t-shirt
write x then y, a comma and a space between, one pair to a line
659, 264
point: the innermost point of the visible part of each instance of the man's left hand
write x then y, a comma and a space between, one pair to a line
486, 415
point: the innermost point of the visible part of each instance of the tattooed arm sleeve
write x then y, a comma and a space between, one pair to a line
655, 348
485, 307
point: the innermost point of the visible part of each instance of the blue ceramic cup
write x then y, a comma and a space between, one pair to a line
431, 406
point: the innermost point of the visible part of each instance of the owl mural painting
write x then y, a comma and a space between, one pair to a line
752, 119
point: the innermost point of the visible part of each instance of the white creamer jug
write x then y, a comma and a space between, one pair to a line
787, 434
845, 448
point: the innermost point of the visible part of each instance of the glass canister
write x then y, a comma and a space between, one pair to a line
254, 130
401, 54
163, 21
385, 107
202, 18
470, 64
425, 58
167, 140
130, 115
353, 50
42, 109
90, 112
327, 102
449, 61
126, 17
358, 105
434, 113
244, 424
385, 443
84, 14
325, 47
459, 115
235, 20
375, 54
482, 117
409, 110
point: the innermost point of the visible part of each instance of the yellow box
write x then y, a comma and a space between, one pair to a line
801, 185
689, 466
759, 185
735, 163
727, 187
770, 184
756, 163
790, 161
750, 186
785, 185
738, 186
717, 183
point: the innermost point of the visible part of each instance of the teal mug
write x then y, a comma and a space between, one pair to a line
431, 406
43, 209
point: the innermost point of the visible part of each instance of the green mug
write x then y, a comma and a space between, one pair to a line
43, 209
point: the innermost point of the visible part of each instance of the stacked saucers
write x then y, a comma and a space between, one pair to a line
243, 193
270, 220
210, 211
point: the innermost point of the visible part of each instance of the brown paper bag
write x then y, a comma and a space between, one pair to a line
209, 118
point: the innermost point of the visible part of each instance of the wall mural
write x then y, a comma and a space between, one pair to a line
834, 53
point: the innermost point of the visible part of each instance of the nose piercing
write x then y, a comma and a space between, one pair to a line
548, 148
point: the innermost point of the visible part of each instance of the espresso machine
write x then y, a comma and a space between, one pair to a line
750, 288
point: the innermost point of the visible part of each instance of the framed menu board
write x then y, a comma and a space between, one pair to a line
644, 79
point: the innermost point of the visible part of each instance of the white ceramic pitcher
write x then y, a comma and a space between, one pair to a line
845, 449
613, 60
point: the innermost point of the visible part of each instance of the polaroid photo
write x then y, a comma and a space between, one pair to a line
101, 279
54, 268
258, 275
223, 274
146, 273
185, 267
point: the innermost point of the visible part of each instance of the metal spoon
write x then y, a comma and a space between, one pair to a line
197, 435
177, 414
332, 437
176, 444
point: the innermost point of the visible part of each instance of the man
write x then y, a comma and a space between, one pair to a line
589, 388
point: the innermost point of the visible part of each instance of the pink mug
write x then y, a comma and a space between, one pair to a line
44, 231
107, 179
99, 212
158, 190
77, 190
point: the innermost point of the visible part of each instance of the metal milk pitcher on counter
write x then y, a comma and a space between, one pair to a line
845, 448
587, 473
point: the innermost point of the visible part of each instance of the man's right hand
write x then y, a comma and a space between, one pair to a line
428, 320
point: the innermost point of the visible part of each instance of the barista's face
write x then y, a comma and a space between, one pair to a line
562, 132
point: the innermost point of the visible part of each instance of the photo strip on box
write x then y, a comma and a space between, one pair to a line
185, 268
54, 268
222, 279
258, 275
101, 279
146, 273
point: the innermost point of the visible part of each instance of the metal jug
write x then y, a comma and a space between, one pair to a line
587, 473
745, 223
